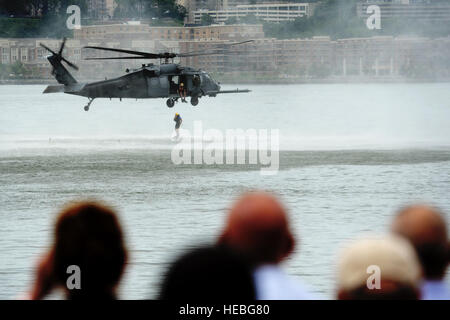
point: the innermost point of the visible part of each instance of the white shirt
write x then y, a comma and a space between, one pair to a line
435, 290
273, 284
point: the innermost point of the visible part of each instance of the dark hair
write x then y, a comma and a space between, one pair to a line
434, 258
208, 274
89, 236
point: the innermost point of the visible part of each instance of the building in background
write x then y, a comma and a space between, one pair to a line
193, 5
33, 56
226, 7
321, 57
264, 58
226, 4
146, 32
273, 12
434, 10
101, 9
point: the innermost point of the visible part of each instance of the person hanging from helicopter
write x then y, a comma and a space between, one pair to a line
178, 122
182, 91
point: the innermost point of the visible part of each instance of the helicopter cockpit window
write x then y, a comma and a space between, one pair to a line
206, 78
211, 78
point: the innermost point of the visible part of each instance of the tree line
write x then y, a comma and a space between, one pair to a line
149, 9
124, 8
47, 18
334, 18
38, 8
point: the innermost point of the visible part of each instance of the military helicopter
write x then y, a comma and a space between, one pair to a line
167, 80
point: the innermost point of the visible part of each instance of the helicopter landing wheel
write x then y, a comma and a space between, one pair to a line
170, 103
194, 101
86, 108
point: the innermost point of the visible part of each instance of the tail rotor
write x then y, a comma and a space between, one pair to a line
58, 56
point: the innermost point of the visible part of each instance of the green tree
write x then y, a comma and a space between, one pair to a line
231, 20
14, 8
149, 9
250, 19
4, 71
44, 18
18, 70
207, 20
34, 7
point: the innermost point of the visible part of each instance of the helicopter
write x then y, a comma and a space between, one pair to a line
166, 80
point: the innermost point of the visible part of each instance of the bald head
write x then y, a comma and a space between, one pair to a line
426, 228
257, 226
421, 224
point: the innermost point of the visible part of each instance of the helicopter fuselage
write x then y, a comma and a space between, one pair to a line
167, 80
152, 81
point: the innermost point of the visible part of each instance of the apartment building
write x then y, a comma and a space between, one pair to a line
144, 31
101, 9
372, 57
220, 5
273, 12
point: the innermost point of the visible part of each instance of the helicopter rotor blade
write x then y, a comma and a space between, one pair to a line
222, 46
116, 58
165, 55
148, 55
63, 44
59, 55
70, 64
178, 55
47, 48
238, 43
210, 53
194, 52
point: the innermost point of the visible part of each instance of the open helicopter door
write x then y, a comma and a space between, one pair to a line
195, 84
158, 87
173, 84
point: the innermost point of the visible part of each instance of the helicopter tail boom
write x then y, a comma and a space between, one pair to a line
54, 89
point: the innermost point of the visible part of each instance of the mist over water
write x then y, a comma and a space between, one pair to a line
351, 155
309, 117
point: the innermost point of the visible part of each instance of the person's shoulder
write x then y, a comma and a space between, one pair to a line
274, 284
435, 290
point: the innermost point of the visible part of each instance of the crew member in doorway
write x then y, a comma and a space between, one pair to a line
196, 80
182, 92
178, 122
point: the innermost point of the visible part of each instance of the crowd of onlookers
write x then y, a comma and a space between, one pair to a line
409, 262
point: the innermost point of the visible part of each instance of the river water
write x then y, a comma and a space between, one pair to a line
350, 155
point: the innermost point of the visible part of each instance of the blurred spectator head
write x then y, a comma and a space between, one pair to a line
378, 268
208, 274
87, 235
426, 229
258, 227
